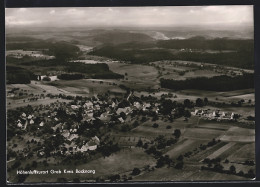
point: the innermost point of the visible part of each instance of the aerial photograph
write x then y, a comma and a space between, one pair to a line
130, 94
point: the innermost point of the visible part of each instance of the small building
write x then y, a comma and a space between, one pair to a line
41, 124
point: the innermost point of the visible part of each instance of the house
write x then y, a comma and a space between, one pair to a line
66, 134
215, 114
227, 115
73, 130
90, 114
30, 117
88, 105
41, 124
20, 125
97, 107
197, 112
113, 105
146, 106
74, 107
104, 116
126, 110
90, 145
121, 120
72, 136
137, 105
31, 121
60, 126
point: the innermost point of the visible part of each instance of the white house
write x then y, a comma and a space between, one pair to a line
41, 124
20, 125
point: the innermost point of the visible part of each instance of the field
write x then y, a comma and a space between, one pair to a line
166, 141
89, 87
129, 159
136, 76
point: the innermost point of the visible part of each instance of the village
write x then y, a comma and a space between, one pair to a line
131, 101
108, 111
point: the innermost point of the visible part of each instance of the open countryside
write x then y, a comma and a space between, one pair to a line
150, 104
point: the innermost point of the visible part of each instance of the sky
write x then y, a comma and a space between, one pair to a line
130, 16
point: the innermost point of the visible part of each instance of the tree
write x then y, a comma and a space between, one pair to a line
187, 113
136, 171
232, 169
155, 125
199, 102
135, 124
125, 128
179, 165
187, 103
251, 173
180, 158
114, 178
218, 167
34, 164
206, 101
139, 143
166, 107
145, 146
16, 164
177, 133
123, 115
21, 178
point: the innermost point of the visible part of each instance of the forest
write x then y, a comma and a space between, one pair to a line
218, 83
240, 52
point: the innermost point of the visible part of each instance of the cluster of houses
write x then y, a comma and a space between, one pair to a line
215, 114
106, 110
21, 53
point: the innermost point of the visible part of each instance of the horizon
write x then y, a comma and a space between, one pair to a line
133, 17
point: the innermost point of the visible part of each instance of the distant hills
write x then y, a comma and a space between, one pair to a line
118, 37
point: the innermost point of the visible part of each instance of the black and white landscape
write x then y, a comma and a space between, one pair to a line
116, 94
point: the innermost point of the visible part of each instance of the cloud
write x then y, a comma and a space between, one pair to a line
131, 16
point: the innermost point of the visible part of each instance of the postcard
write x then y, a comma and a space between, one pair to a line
130, 94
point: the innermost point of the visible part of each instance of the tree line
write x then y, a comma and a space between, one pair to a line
218, 83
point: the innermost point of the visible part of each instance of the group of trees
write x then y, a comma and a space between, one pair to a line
215, 165
61, 50
108, 148
18, 75
218, 83
240, 55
